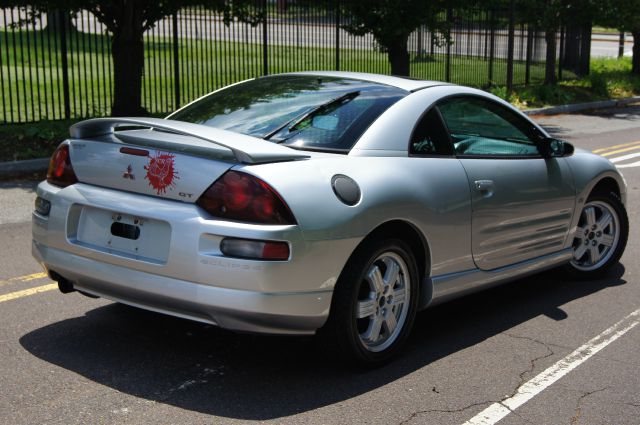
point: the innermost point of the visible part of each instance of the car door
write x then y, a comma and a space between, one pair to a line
522, 203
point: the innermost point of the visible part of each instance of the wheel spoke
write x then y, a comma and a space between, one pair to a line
594, 254
382, 306
390, 322
392, 272
579, 251
605, 220
606, 240
399, 296
366, 308
590, 215
373, 332
580, 233
375, 279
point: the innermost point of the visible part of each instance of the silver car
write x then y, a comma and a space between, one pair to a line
332, 203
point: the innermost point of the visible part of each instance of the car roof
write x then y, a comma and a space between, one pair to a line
404, 83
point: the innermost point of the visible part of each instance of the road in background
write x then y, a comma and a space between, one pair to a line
68, 359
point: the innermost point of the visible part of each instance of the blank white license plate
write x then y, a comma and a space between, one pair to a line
124, 234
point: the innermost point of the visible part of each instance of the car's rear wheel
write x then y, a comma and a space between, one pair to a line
374, 303
601, 236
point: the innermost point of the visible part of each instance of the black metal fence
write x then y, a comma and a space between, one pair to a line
66, 72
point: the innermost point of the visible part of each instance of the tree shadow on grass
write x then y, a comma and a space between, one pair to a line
208, 370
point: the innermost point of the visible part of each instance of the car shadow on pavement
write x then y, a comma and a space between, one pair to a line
204, 369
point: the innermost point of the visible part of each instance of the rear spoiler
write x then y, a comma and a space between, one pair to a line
246, 149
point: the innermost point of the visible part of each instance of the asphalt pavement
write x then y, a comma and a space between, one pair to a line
541, 350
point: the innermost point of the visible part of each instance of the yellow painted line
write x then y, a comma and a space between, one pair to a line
26, 292
637, 142
26, 278
620, 150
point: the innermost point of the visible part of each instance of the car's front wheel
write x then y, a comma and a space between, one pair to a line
374, 302
600, 237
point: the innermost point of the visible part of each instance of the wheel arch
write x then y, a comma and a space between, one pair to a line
605, 185
417, 241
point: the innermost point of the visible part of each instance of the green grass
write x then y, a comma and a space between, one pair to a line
32, 140
609, 78
31, 73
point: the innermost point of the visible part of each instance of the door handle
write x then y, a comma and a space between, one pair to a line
485, 187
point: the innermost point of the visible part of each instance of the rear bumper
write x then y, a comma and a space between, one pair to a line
239, 310
191, 278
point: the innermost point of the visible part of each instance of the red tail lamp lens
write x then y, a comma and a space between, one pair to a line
60, 172
243, 197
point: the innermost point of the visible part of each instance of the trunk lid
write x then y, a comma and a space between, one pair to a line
180, 162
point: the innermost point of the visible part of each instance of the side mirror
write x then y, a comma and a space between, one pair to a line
555, 148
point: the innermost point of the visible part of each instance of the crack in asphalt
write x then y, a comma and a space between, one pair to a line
516, 413
578, 410
532, 364
458, 410
531, 368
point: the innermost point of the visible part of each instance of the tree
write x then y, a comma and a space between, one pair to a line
391, 22
546, 15
625, 15
127, 21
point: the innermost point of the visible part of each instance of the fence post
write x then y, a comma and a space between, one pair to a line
561, 53
337, 6
65, 63
492, 45
527, 72
265, 52
176, 60
448, 59
510, 46
621, 45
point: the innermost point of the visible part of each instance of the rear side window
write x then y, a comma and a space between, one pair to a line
301, 111
430, 136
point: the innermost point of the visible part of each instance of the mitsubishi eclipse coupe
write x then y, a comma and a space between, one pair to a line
334, 203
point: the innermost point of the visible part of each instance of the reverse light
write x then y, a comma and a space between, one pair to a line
259, 250
60, 172
243, 197
42, 206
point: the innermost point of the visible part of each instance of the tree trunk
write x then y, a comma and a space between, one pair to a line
399, 56
127, 50
585, 50
635, 60
128, 62
571, 47
550, 66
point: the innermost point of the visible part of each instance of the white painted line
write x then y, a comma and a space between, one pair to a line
633, 164
497, 411
624, 157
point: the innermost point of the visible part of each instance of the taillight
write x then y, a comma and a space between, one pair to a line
243, 197
60, 171
254, 249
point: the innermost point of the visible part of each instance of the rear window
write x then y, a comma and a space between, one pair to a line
301, 111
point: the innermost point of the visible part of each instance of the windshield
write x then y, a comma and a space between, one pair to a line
301, 111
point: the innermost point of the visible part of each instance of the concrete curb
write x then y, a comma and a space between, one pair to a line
20, 168
30, 166
577, 107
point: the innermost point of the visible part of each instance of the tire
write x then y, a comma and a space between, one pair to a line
601, 236
374, 303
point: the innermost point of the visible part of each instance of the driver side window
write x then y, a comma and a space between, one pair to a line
479, 127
